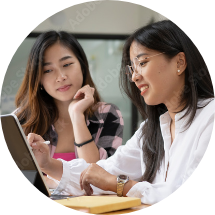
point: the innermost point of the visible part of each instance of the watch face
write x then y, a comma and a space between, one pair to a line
123, 177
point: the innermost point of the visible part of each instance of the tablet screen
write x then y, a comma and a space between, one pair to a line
20, 152
16, 143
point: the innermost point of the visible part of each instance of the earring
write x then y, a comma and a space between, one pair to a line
41, 88
179, 70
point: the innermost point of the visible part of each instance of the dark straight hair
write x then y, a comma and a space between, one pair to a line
165, 36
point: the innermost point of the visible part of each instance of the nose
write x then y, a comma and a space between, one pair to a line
136, 76
61, 76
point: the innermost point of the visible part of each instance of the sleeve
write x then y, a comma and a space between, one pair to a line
110, 135
126, 160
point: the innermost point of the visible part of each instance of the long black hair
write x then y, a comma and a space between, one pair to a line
165, 36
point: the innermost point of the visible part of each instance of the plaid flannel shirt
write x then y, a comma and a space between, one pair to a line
105, 126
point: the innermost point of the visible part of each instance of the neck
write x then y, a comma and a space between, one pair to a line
174, 109
63, 111
173, 103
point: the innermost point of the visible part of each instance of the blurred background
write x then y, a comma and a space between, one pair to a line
101, 27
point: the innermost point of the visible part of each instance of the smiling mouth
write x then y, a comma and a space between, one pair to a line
144, 88
64, 88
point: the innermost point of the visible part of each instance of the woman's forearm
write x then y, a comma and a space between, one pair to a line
54, 169
88, 152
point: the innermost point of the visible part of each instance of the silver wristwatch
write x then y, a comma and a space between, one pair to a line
121, 181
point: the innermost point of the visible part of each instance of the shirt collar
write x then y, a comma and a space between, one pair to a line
166, 119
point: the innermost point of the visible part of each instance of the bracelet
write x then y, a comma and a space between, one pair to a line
81, 144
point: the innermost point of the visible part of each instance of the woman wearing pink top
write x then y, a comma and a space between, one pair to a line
59, 101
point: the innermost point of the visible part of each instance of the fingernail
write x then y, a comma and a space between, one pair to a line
34, 144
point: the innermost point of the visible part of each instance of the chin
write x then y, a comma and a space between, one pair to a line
64, 99
151, 102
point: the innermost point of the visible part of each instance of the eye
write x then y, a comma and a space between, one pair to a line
66, 65
47, 71
142, 63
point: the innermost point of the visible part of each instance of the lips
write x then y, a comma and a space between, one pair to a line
142, 85
64, 88
143, 88
143, 91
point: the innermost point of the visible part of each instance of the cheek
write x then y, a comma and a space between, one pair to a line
78, 77
159, 77
166, 80
46, 83
154, 76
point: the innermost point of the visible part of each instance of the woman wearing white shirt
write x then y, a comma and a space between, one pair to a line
168, 81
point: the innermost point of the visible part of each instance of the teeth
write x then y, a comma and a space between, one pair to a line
143, 88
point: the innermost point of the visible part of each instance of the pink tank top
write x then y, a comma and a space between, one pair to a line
65, 156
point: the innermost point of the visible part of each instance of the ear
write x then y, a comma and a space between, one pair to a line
181, 63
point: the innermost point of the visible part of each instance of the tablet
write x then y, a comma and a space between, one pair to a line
22, 153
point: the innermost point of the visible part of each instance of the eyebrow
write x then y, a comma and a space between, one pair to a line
139, 55
62, 59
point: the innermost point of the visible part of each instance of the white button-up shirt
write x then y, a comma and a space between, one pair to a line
183, 156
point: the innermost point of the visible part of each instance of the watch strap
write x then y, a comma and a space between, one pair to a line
121, 181
120, 187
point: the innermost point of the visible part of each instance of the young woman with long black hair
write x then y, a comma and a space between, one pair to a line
166, 77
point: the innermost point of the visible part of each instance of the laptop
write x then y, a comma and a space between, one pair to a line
23, 155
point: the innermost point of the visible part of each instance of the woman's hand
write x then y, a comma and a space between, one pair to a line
40, 150
82, 100
98, 177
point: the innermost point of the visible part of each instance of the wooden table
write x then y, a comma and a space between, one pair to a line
124, 211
